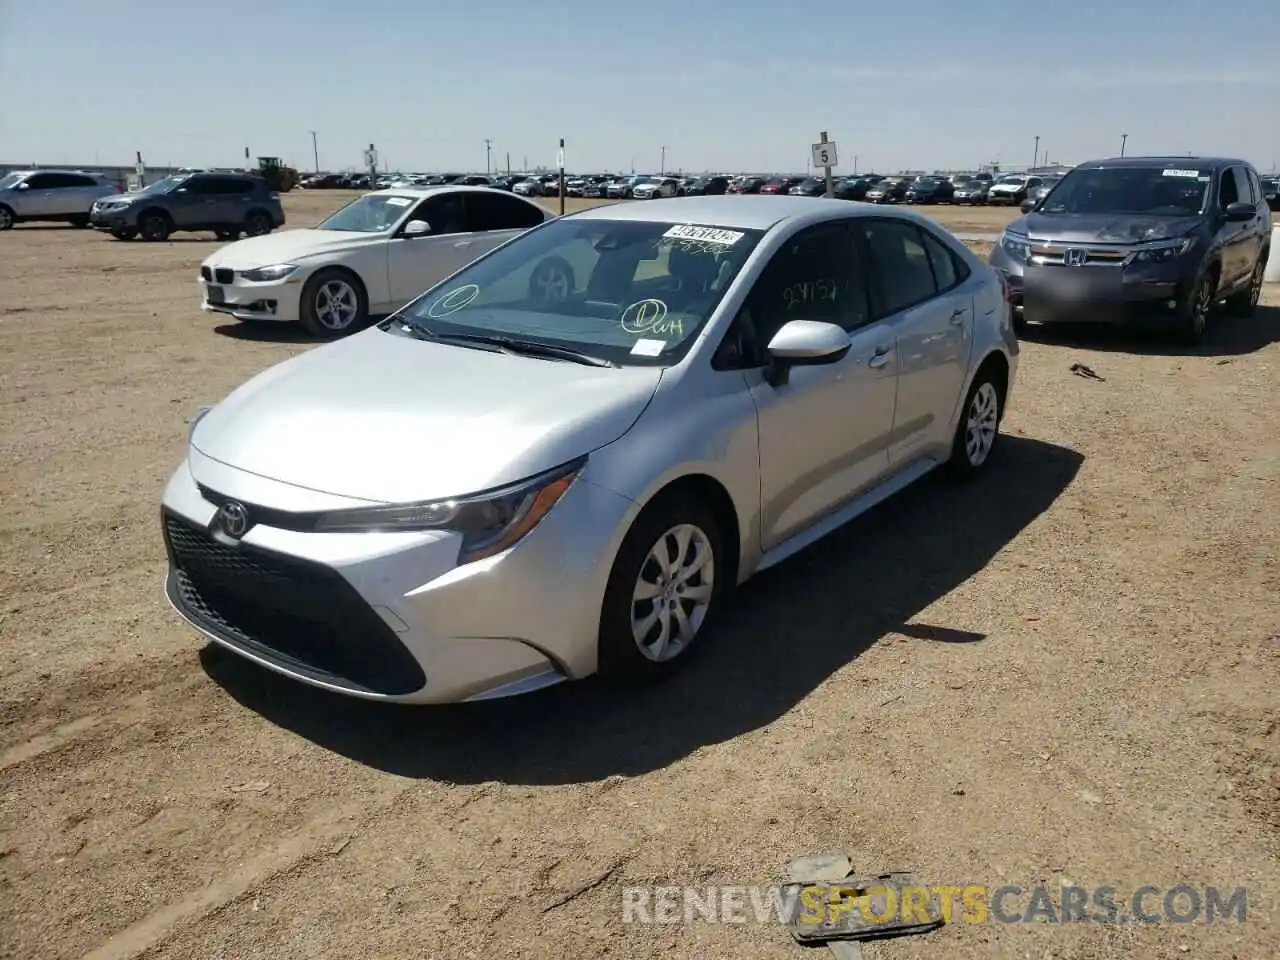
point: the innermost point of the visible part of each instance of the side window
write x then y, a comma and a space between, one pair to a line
497, 211
902, 274
232, 186
42, 181
201, 186
948, 270
817, 275
1228, 192
445, 213
1244, 189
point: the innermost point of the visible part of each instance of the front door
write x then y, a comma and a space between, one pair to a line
824, 434
919, 287
192, 204
415, 263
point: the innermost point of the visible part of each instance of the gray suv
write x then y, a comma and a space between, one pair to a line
229, 204
1164, 238
64, 196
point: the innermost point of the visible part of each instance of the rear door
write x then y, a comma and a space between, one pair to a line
1237, 262
919, 288
193, 203
231, 200
39, 199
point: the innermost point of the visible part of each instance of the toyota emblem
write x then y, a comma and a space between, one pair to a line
1074, 257
233, 518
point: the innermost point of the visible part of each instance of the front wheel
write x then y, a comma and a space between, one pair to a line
155, 227
333, 304
1193, 312
978, 429
6, 218
670, 574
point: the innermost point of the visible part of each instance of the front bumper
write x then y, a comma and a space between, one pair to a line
112, 219
244, 300
1048, 293
390, 616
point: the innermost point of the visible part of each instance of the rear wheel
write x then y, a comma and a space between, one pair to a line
257, 224
6, 218
667, 579
333, 304
1244, 303
979, 426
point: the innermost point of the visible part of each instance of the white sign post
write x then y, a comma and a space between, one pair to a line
825, 156
371, 161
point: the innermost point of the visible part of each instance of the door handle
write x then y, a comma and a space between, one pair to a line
880, 357
958, 315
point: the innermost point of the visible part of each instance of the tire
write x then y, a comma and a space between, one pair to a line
552, 280
258, 224
227, 235
629, 652
155, 226
7, 219
333, 304
1245, 302
1192, 316
978, 431
124, 233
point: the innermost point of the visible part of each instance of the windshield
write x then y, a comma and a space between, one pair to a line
1152, 191
372, 213
10, 179
162, 186
628, 291
1013, 181
636, 181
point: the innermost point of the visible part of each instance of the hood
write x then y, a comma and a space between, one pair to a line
1102, 228
284, 246
391, 419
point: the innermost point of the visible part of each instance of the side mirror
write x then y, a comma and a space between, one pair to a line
24, 186
1238, 212
805, 343
1028, 205
182, 190
417, 228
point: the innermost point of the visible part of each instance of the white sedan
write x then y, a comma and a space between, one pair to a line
367, 259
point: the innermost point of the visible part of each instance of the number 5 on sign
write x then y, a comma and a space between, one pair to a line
824, 154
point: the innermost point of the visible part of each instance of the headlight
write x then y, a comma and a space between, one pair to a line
1163, 251
489, 522
1015, 245
268, 274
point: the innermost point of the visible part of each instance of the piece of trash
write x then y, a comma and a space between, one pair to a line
253, 786
1220, 363
820, 867
1088, 796
885, 703
1080, 370
845, 949
889, 904
338, 847
1044, 756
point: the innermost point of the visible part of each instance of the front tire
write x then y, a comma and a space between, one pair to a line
155, 226
334, 304
1193, 313
669, 577
979, 426
6, 218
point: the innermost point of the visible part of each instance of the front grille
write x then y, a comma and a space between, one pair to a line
207, 274
301, 615
1055, 253
225, 275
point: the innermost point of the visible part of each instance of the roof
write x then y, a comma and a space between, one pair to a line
742, 212
1212, 162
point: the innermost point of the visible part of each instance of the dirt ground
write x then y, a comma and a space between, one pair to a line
1065, 671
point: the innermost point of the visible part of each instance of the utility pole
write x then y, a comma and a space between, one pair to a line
855, 164
1124, 137
662, 164
1036, 156
315, 150
508, 163
488, 152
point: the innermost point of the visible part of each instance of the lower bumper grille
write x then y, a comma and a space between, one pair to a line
300, 615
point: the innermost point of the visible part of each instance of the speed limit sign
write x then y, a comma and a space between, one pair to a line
824, 154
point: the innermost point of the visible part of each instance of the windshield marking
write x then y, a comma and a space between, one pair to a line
685, 231
648, 348
1181, 173
650, 316
453, 301
398, 201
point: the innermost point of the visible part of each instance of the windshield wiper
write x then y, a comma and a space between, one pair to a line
528, 348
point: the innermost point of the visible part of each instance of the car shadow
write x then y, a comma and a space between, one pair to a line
1224, 336
785, 632
265, 331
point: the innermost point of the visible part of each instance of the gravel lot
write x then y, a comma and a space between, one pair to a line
1064, 671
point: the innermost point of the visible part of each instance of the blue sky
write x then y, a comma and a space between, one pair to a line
726, 86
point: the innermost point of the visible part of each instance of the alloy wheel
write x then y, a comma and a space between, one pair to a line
336, 305
552, 285
1200, 307
981, 423
1255, 289
673, 592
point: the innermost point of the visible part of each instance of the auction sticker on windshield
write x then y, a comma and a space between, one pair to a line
399, 201
1182, 173
687, 231
648, 348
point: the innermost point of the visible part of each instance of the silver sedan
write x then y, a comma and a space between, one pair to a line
560, 460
